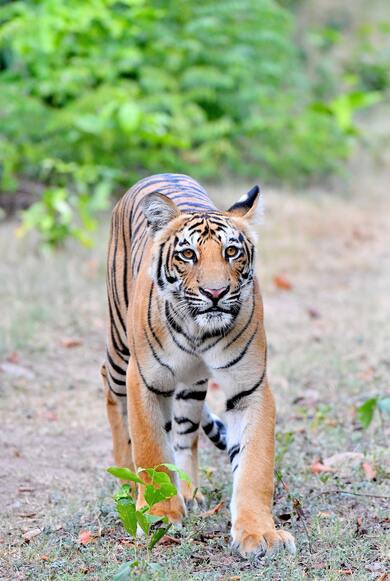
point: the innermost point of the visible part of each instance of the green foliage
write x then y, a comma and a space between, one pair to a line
367, 410
343, 107
106, 91
369, 65
157, 487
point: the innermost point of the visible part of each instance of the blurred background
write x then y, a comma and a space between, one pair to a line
95, 95
291, 94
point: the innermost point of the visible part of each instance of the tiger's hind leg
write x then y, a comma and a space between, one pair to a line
117, 417
187, 414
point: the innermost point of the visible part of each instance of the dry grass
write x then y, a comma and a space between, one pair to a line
55, 438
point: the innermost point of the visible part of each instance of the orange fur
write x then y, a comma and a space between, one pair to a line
168, 333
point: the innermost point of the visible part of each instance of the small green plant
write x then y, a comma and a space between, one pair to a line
158, 488
367, 410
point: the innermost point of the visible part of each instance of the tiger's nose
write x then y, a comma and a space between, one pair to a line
214, 293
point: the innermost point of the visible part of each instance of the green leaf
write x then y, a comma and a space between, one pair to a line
127, 514
158, 534
124, 571
153, 518
384, 404
181, 473
129, 116
366, 411
163, 492
123, 492
143, 521
124, 474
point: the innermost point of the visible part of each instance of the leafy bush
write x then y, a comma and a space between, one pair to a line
93, 95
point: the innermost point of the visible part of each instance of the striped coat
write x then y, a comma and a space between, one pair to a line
184, 305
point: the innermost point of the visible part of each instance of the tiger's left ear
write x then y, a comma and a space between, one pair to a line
159, 210
249, 206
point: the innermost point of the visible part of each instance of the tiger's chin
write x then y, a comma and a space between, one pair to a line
214, 321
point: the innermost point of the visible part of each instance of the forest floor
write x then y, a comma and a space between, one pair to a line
324, 267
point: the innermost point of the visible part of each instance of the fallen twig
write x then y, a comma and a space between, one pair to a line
336, 491
298, 509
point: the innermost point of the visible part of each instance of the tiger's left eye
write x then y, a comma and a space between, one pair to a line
231, 251
188, 253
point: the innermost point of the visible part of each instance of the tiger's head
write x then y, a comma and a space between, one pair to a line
203, 262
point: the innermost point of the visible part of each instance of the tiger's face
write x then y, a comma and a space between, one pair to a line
203, 262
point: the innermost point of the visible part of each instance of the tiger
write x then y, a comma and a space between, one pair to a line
185, 307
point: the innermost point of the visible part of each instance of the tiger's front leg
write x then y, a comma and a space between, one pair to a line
149, 413
187, 413
250, 419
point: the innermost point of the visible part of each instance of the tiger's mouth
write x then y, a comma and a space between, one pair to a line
214, 309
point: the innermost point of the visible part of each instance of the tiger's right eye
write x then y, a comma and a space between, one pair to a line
188, 253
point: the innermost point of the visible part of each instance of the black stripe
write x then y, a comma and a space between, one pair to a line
212, 344
160, 281
121, 349
114, 365
157, 358
138, 245
232, 402
188, 394
181, 420
168, 427
208, 428
172, 322
114, 289
245, 326
197, 195
179, 344
150, 317
117, 381
117, 309
214, 439
233, 451
201, 381
140, 258
194, 205
191, 429
115, 392
125, 290
193, 226
241, 355
139, 225
154, 389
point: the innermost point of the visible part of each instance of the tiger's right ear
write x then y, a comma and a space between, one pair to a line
159, 210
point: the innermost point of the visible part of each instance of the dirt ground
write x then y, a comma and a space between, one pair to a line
329, 339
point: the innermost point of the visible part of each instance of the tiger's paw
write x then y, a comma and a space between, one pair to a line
174, 509
257, 544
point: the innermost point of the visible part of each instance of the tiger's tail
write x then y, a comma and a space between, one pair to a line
214, 428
